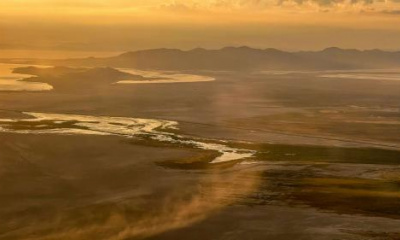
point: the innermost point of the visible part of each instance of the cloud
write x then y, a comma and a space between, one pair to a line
218, 4
273, 5
189, 6
328, 2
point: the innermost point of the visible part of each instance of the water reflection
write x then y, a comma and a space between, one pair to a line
163, 77
10, 81
47, 123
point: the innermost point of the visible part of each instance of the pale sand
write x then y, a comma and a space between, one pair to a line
120, 126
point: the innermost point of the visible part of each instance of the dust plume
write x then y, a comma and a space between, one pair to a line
179, 209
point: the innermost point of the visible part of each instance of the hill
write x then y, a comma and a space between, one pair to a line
245, 58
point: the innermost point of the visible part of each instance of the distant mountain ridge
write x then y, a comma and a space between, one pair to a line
246, 58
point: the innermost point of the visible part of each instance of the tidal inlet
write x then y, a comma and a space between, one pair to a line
217, 120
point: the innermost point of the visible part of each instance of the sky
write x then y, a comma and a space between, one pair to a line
101, 27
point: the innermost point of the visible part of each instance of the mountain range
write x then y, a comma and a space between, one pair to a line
244, 58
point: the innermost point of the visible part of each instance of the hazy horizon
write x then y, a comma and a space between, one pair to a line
100, 26
60, 54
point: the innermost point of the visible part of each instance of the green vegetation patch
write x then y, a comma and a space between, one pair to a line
354, 196
323, 154
42, 125
368, 197
201, 160
376, 235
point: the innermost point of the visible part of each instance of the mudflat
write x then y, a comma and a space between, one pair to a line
320, 159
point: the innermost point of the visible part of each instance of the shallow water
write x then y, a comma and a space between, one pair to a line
47, 123
366, 76
10, 81
163, 77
